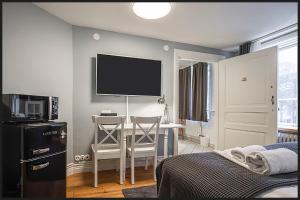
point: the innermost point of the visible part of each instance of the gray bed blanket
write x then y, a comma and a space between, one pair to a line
209, 175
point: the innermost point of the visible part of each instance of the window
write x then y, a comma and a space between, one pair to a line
287, 88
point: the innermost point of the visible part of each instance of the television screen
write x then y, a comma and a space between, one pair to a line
118, 75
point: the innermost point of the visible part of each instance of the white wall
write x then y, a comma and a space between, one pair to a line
43, 55
37, 58
86, 103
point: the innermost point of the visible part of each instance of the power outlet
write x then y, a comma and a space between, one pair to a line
84, 157
77, 158
81, 157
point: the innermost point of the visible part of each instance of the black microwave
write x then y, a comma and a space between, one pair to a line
23, 108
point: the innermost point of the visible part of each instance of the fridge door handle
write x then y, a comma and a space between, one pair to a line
40, 151
63, 135
41, 166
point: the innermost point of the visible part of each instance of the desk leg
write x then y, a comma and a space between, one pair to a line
166, 142
175, 145
124, 156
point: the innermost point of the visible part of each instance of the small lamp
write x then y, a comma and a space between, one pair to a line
166, 117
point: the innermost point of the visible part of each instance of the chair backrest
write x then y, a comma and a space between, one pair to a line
146, 125
108, 125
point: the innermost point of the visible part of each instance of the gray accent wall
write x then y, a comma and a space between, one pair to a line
43, 55
87, 103
38, 59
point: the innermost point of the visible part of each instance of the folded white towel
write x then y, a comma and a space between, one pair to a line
227, 154
240, 153
275, 161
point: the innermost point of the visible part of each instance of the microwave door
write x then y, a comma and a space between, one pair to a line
34, 109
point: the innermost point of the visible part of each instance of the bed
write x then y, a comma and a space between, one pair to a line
209, 175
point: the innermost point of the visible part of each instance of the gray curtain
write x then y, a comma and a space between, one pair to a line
184, 93
245, 48
199, 92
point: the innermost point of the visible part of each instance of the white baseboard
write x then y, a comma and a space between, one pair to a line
109, 164
196, 139
192, 138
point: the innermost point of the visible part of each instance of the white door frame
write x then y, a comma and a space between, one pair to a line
193, 56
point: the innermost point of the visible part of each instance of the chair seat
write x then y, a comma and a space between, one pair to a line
105, 151
141, 149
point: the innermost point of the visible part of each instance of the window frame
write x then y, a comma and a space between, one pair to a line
289, 130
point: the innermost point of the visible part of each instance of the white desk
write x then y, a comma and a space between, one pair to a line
129, 127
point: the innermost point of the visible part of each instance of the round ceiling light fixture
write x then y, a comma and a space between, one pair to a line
151, 10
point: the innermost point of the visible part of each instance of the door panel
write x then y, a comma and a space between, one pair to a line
247, 118
243, 138
247, 90
242, 79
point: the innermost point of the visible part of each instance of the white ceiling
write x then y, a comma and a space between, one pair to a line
215, 25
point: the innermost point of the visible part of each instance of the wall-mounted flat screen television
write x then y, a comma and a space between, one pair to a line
120, 75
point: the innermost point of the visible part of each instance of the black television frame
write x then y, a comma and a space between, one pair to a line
101, 94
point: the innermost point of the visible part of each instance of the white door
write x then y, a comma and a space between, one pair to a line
247, 99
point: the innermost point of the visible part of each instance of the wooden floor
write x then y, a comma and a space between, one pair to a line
81, 185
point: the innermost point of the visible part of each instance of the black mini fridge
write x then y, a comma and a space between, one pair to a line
34, 159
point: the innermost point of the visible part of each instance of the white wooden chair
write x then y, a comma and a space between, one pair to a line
105, 150
138, 147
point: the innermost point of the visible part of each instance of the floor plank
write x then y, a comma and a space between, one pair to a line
81, 184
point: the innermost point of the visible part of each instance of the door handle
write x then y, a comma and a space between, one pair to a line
41, 166
272, 100
40, 151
